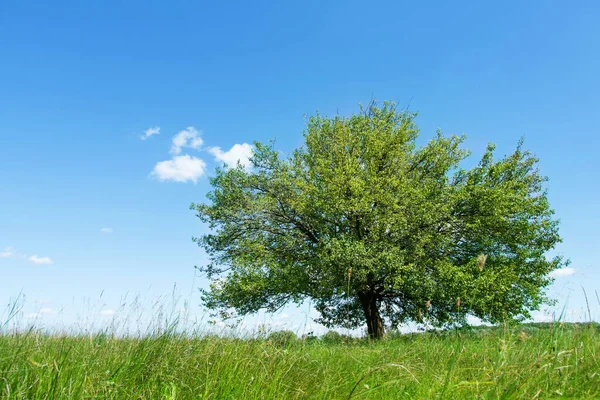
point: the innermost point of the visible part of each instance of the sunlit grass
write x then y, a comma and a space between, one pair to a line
530, 361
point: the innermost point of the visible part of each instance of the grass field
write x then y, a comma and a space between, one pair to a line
526, 362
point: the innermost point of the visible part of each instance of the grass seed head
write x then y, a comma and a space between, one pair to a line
502, 345
523, 336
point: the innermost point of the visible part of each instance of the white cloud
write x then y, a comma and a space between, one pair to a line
180, 169
239, 152
567, 271
7, 253
284, 315
40, 260
10, 253
150, 131
541, 318
275, 324
188, 137
47, 311
106, 230
107, 313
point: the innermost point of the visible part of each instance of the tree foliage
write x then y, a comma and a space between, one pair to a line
373, 228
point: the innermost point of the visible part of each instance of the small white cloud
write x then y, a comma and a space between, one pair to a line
7, 253
567, 271
40, 260
274, 324
239, 152
541, 318
150, 131
47, 311
180, 169
32, 315
107, 313
284, 315
106, 230
188, 137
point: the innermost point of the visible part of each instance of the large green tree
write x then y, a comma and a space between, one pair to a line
375, 229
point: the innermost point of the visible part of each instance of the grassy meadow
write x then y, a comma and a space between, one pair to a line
533, 361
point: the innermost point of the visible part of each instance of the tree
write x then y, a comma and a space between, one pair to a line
373, 228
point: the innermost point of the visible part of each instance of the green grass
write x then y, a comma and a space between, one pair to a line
530, 361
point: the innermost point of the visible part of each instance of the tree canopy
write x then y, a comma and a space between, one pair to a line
377, 230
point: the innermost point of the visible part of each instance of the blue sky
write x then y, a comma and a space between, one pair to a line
81, 83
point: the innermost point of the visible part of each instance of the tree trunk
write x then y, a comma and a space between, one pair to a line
370, 307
